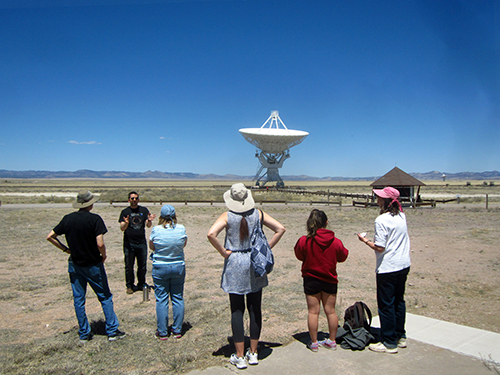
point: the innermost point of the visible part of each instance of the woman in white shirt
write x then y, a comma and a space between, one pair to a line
392, 249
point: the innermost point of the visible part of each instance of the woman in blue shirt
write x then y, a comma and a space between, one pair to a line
167, 241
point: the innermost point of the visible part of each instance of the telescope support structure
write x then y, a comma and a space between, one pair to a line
271, 162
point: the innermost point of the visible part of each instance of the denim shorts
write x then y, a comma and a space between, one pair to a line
313, 286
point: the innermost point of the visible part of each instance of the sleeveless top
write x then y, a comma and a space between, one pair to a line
232, 241
238, 276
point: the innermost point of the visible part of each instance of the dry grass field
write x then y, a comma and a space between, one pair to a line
454, 276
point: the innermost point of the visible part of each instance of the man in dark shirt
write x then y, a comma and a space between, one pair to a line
84, 233
133, 220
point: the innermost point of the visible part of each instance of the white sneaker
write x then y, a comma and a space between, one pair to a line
402, 343
381, 348
239, 362
253, 358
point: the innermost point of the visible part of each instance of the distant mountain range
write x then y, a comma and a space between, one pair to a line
85, 173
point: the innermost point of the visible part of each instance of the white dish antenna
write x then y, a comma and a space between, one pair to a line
274, 140
273, 136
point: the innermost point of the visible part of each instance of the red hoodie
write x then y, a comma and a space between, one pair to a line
320, 254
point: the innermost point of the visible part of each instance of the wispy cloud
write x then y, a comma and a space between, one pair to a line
85, 143
162, 137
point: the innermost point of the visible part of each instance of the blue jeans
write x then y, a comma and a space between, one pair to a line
96, 277
131, 252
391, 306
169, 280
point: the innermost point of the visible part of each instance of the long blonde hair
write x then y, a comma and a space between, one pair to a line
167, 221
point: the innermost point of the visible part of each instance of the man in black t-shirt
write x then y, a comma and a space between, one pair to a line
84, 233
133, 220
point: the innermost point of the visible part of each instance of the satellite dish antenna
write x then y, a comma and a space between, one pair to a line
274, 140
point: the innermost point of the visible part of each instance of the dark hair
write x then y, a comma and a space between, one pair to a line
132, 192
244, 232
243, 228
317, 219
390, 206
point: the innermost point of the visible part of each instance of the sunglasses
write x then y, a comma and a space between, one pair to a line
134, 198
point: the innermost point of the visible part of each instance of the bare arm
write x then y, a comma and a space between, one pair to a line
101, 246
218, 226
52, 238
151, 245
278, 229
150, 219
124, 223
371, 244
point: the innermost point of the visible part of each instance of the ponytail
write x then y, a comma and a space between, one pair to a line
243, 228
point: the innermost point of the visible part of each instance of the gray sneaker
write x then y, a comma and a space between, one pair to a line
117, 335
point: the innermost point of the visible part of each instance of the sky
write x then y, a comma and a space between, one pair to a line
138, 85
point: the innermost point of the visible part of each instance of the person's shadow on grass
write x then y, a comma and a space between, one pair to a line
98, 327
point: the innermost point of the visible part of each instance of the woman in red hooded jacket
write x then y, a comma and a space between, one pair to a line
319, 252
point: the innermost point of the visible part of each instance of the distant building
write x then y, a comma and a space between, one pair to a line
403, 182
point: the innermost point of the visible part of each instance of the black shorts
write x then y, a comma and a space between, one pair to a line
315, 286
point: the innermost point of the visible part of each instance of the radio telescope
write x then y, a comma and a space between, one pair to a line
274, 140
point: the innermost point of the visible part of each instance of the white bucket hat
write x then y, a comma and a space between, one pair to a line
239, 199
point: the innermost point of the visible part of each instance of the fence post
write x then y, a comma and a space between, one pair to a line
486, 201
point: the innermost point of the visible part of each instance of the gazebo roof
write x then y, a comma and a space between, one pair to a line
397, 178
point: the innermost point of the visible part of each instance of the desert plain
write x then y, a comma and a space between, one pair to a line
455, 276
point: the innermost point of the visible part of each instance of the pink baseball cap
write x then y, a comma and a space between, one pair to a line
387, 192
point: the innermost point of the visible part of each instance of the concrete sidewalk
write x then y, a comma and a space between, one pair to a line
434, 346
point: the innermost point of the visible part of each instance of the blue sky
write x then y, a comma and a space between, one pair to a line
133, 85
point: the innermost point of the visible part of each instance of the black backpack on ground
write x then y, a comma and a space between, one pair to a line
355, 334
356, 316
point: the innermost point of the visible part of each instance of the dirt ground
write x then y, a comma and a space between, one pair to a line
454, 277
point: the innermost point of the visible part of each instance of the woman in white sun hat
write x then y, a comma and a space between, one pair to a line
392, 249
238, 279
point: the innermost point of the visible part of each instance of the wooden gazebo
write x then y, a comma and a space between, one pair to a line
402, 181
